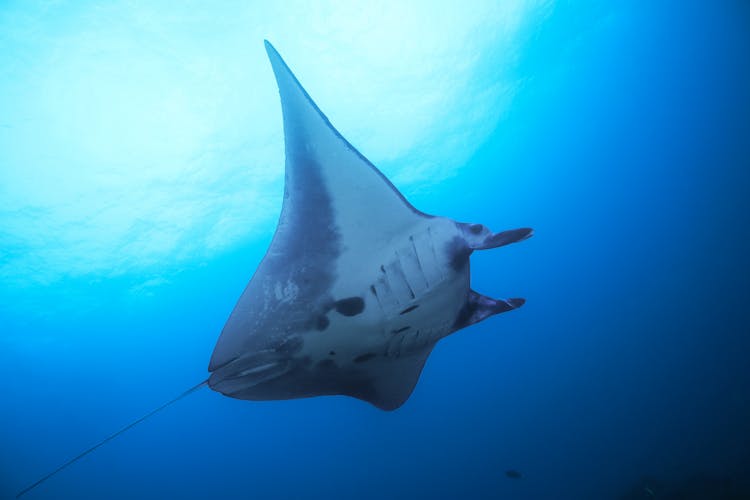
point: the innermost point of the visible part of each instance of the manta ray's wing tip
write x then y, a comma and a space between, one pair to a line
270, 49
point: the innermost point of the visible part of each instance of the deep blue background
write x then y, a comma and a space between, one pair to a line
628, 154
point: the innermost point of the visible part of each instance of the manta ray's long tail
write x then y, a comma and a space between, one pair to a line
110, 438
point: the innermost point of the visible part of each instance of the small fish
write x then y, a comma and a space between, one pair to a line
513, 474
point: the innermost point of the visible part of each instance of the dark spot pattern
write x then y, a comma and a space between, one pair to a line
364, 357
350, 306
402, 329
458, 252
331, 353
409, 309
322, 322
476, 228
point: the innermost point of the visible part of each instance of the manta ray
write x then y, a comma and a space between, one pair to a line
357, 286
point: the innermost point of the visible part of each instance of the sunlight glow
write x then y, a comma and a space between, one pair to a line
135, 137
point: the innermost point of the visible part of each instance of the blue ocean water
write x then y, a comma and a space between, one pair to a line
620, 133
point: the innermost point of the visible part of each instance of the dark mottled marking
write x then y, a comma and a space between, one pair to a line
364, 357
322, 322
350, 306
402, 329
331, 353
372, 289
459, 253
513, 474
409, 309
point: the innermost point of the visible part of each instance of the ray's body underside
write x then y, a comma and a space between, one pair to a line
357, 285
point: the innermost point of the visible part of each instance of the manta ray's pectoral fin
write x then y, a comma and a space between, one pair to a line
478, 237
479, 307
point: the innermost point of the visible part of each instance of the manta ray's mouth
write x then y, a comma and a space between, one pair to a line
245, 372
